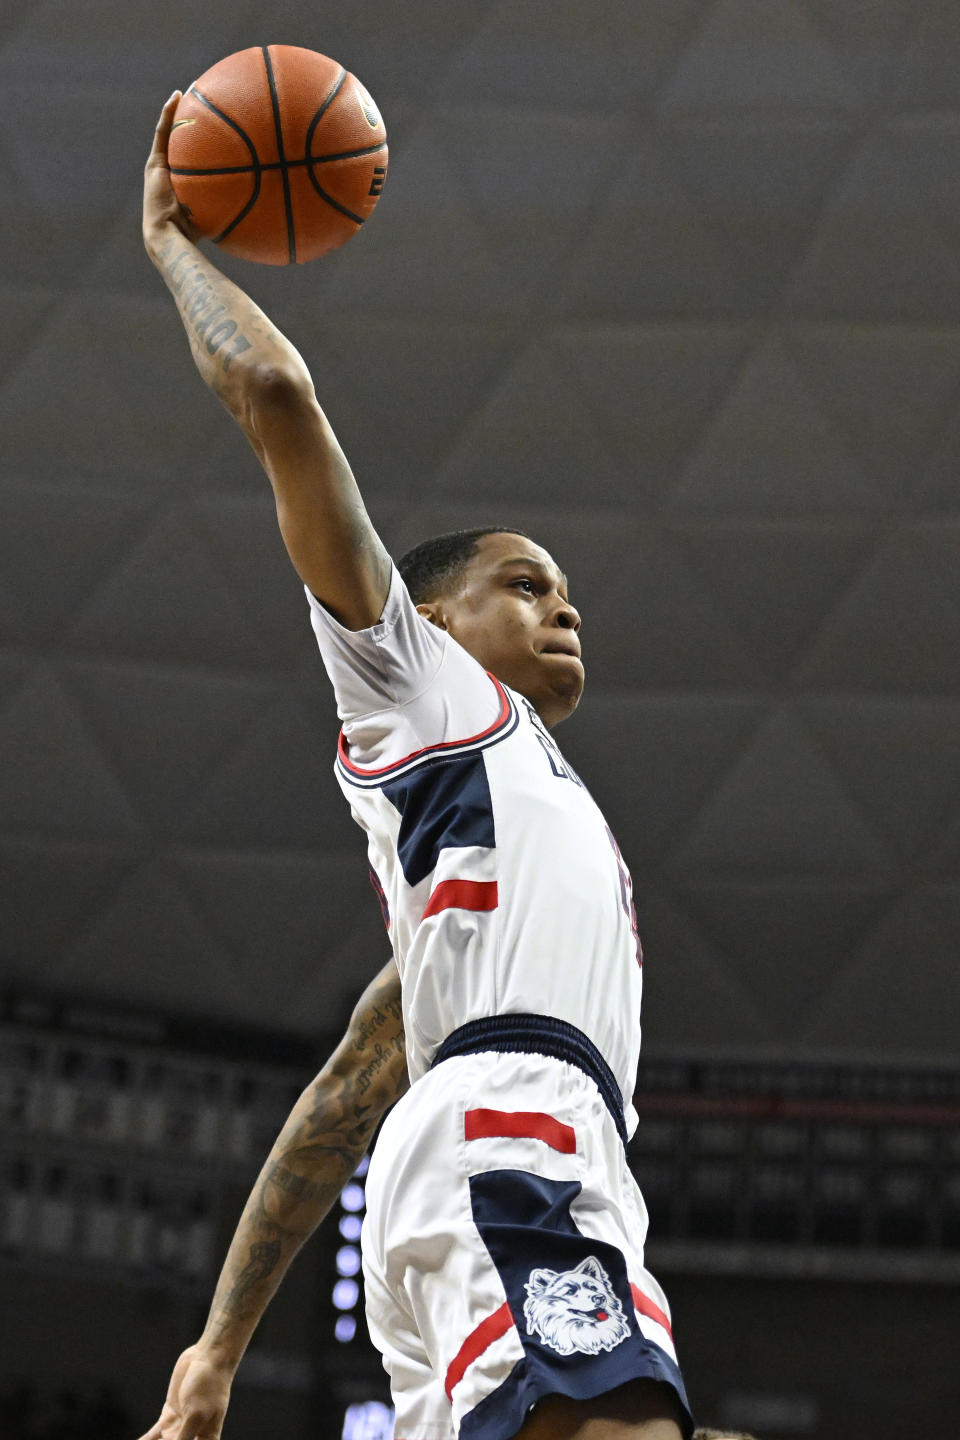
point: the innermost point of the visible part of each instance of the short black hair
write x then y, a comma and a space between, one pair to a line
434, 566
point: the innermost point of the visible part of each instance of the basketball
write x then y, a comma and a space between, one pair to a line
278, 154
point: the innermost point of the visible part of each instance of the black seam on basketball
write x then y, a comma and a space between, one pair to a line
287, 203
255, 169
237, 169
222, 170
254, 157
325, 107
346, 154
357, 219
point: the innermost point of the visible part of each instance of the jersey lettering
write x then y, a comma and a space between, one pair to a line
558, 765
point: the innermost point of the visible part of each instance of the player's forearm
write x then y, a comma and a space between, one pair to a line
296, 1188
326, 1134
232, 341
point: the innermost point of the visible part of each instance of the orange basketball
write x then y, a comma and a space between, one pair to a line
278, 154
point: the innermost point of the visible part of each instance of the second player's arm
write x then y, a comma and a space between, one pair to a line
326, 1134
262, 380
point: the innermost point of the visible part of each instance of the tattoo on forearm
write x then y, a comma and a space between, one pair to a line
298, 1187
316, 1154
204, 312
382, 1055
264, 1255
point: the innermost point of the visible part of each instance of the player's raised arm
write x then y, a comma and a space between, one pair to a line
264, 383
318, 1149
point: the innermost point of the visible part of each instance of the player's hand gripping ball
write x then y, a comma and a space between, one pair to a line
277, 154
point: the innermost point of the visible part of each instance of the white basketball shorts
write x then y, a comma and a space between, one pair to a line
503, 1249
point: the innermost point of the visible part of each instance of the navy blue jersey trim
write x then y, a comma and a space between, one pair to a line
539, 1035
442, 807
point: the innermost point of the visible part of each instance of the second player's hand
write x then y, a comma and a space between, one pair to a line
160, 204
197, 1399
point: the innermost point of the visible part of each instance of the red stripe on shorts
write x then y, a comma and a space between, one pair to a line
476, 1342
647, 1307
520, 1125
462, 895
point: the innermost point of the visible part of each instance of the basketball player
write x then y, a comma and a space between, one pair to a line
503, 1245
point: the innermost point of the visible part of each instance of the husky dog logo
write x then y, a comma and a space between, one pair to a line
575, 1311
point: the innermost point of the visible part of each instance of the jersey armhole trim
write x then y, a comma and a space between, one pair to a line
503, 723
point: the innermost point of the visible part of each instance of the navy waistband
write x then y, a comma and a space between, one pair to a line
538, 1035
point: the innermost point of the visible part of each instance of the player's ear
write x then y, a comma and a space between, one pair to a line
433, 611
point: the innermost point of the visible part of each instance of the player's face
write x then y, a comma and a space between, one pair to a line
512, 613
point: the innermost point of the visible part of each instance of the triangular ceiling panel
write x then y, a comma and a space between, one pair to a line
146, 937
748, 54
252, 801
761, 185
531, 415
893, 754
165, 731
62, 782
781, 808
898, 629
541, 55
250, 899
55, 545
142, 604
51, 890
891, 968
786, 942
775, 583
886, 245
890, 395
651, 391
772, 450
690, 993
678, 747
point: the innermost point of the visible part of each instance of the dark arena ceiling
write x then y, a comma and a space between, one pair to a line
674, 287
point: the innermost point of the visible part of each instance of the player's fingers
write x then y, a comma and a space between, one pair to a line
161, 134
160, 1428
198, 1427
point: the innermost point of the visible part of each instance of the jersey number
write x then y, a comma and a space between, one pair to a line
626, 895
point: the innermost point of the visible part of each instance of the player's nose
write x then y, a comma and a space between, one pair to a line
567, 616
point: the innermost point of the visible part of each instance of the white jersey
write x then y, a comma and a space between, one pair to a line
501, 884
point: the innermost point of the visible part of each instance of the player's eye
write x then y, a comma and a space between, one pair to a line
526, 584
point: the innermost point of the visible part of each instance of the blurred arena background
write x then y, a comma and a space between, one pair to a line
674, 285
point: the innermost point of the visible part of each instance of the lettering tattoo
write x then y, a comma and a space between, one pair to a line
203, 309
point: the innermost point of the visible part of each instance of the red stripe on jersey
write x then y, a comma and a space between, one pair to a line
502, 717
646, 1307
462, 895
520, 1125
476, 1342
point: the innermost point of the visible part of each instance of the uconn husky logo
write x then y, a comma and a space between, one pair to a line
575, 1311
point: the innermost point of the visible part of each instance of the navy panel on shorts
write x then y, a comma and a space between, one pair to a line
570, 1298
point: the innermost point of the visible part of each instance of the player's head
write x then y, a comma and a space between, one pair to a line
505, 600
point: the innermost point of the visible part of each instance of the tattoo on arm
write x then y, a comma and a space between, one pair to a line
263, 1260
203, 300
317, 1152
